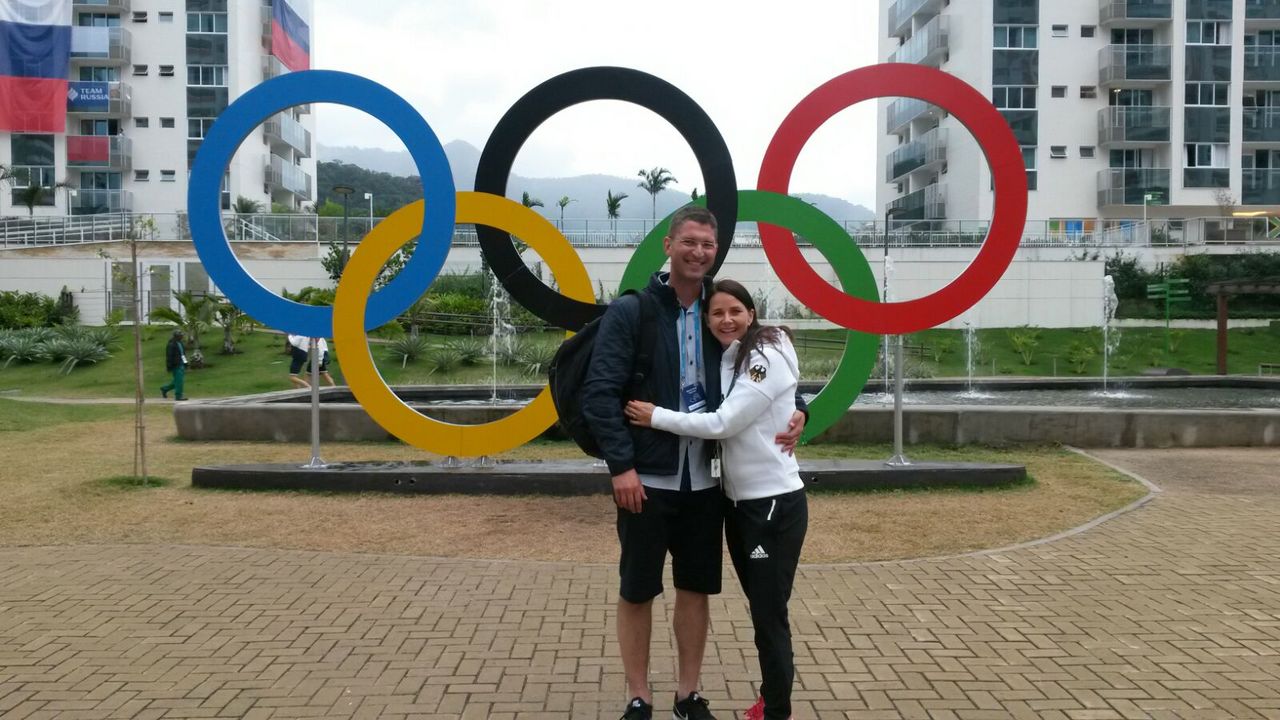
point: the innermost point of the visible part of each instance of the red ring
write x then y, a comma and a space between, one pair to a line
995, 138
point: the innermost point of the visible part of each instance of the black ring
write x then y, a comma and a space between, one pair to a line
563, 91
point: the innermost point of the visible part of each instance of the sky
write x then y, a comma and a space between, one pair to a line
462, 63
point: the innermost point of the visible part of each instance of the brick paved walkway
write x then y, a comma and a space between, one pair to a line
1171, 611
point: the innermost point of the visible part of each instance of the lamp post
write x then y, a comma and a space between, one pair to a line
899, 459
369, 197
345, 191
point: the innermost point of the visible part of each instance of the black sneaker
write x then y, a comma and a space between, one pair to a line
638, 709
693, 707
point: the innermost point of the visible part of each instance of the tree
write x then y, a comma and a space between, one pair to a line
246, 206
232, 320
655, 181
530, 202
694, 195
195, 314
563, 203
34, 194
613, 203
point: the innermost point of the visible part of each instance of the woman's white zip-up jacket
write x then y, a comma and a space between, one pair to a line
758, 405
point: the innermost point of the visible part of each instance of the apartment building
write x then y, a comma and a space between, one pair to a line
1124, 109
146, 79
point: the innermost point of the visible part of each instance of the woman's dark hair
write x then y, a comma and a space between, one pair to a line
757, 335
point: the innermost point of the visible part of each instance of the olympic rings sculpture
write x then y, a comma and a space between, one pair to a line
357, 308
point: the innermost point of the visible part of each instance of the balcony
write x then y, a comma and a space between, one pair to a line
1133, 125
927, 203
1260, 187
100, 5
1134, 65
94, 202
1257, 13
284, 175
904, 111
902, 11
1206, 177
265, 16
1261, 64
272, 67
1262, 124
927, 152
1128, 186
100, 152
1135, 13
100, 99
102, 45
927, 46
283, 130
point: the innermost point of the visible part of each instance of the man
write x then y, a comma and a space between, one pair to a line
299, 350
175, 361
667, 499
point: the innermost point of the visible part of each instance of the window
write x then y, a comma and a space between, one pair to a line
139, 16
166, 71
1088, 31
98, 73
1087, 151
1061, 31
32, 164
197, 128
168, 175
97, 20
166, 17
1088, 92
1133, 36
1206, 155
142, 122
206, 22
1206, 93
1057, 151
99, 127
139, 69
210, 75
166, 122
1058, 91
1207, 32
1029, 160
1015, 37
141, 175
1014, 97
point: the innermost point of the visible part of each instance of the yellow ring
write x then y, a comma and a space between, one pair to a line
352, 343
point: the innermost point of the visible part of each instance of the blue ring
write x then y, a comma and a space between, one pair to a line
248, 112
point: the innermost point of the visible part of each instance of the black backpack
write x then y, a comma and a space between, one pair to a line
568, 372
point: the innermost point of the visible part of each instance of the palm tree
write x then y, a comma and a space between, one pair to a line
529, 201
246, 206
612, 204
655, 181
232, 320
694, 195
563, 203
195, 314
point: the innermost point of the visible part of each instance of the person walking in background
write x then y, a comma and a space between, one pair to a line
766, 513
297, 346
322, 349
175, 361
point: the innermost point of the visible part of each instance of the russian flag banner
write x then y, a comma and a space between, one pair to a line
290, 37
35, 52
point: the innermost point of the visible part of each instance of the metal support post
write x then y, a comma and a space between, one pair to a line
899, 459
314, 354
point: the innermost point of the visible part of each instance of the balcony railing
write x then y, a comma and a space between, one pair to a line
1206, 177
100, 152
1129, 11
284, 129
1134, 64
927, 203
1260, 187
1262, 124
93, 202
1261, 63
272, 67
1133, 125
929, 149
112, 45
1262, 9
903, 110
901, 12
114, 100
92, 5
928, 46
1128, 186
286, 175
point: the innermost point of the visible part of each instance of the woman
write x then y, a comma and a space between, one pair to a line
766, 515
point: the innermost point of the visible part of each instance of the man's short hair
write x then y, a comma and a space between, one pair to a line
691, 213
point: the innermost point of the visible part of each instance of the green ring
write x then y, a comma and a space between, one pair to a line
852, 269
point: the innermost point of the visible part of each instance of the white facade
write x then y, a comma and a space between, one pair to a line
168, 76
1114, 101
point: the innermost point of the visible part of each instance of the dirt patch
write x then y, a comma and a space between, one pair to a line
54, 495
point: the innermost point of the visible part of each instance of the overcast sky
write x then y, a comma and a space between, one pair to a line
462, 63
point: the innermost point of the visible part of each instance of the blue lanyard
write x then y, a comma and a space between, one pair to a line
697, 343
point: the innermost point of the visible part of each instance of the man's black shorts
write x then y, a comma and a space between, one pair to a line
297, 358
689, 525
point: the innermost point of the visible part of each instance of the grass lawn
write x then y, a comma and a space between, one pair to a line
61, 486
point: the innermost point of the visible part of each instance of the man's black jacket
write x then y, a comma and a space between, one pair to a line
610, 375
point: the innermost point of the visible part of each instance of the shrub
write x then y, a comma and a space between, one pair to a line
468, 351
531, 356
444, 359
74, 349
457, 314
30, 309
1024, 341
1079, 354
21, 347
409, 347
